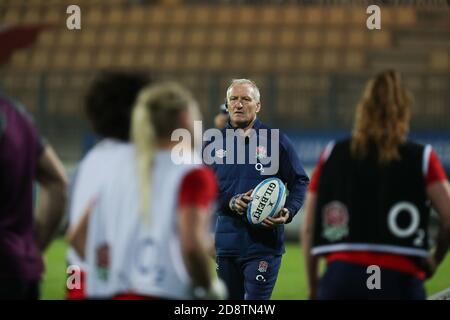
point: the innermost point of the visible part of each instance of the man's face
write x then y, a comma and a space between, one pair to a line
242, 105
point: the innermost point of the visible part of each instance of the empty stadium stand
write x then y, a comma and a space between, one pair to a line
311, 61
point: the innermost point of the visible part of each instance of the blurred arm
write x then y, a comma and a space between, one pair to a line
439, 194
52, 196
307, 232
197, 193
194, 235
77, 235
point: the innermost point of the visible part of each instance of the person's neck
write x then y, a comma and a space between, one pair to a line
245, 128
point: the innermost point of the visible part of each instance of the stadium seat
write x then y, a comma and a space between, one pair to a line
270, 16
261, 60
313, 15
246, 16
354, 60
201, 16
283, 60
334, 38
69, 38
243, 37
197, 37
104, 58
356, 38
40, 60
170, 60
291, 15
237, 59
47, 39
312, 38
380, 39
62, 58
264, 37
88, 37
337, 16
56, 82
307, 60
288, 38
358, 16
330, 60
158, 16
152, 38
131, 37
53, 16
115, 16
147, 59
174, 37
225, 15
138, 15
193, 59
440, 60
405, 16
93, 16
220, 37
82, 59
12, 16
109, 38
216, 59
21, 59
32, 16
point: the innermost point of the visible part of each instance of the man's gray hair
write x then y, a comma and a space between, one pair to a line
256, 94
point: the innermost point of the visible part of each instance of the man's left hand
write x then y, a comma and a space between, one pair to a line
280, 219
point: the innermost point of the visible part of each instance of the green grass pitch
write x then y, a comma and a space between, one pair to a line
291, 283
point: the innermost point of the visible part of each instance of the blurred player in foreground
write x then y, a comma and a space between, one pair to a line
147, 234
369, 204
24, 158
108, 106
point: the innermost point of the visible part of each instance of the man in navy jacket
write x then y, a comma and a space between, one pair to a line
249, 256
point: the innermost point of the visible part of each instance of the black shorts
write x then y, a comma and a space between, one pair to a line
343, 280
15, 289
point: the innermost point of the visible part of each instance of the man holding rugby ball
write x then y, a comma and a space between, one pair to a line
248, 255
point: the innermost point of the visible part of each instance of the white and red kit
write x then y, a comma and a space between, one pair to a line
129, 252
89, 175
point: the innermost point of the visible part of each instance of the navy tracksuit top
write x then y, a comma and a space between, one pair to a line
234, 235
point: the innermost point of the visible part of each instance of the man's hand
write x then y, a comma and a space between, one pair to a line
280, 219
239, 203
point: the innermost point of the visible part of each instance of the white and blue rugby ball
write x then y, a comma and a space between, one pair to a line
269, 197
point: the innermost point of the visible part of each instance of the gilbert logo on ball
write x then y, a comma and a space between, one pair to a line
269, 197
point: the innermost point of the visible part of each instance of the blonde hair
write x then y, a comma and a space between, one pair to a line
382, 117
155, 117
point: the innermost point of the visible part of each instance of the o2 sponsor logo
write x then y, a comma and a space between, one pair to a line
413, 225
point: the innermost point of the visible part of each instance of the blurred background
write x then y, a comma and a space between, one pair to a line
311, 60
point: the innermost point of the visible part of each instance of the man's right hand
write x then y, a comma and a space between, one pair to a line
239, 203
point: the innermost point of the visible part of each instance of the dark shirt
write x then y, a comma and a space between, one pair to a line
20, 148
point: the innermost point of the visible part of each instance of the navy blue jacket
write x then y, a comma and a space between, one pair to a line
234, 235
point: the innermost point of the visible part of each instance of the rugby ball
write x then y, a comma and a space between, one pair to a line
268, 197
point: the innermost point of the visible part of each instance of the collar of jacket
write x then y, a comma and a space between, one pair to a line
256, 125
